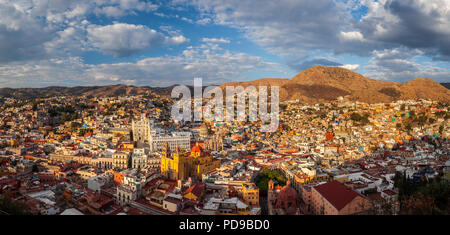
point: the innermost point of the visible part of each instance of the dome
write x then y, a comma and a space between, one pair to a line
287, 199
197, 150
287, 194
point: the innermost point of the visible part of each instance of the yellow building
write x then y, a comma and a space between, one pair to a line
116, 138
180, 166
127, 146
303, 178
119, 131
86, 173
250, 194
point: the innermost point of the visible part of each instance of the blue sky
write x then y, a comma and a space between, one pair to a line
160, 43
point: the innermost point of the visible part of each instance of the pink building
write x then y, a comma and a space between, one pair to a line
282, 202
334, 198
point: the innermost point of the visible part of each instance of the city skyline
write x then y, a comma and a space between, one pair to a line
235, 107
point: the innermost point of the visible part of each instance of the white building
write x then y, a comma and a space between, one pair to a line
181, 140
143, 131
138, 159
97, 182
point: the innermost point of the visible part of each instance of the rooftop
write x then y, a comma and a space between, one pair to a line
336, 193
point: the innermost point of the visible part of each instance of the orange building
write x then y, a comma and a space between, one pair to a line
118, 177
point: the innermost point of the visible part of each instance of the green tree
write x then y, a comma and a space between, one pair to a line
35, 168
441, 129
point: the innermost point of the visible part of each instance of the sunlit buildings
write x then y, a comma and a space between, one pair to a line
179, 165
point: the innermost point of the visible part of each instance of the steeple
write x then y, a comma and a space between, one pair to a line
166, 150
288, 183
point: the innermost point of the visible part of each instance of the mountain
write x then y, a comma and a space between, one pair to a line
259, 82
95, 91
447, 85
313, 85
320, 84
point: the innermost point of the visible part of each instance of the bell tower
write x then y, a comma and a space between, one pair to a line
166, 150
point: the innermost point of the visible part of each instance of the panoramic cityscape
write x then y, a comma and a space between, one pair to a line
129, 107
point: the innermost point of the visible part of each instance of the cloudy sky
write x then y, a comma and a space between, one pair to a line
160, 43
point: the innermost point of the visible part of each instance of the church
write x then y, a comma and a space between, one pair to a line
141, 129
284, 201
182, 165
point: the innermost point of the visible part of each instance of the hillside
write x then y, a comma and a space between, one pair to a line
313, 85
320, 84
96, 91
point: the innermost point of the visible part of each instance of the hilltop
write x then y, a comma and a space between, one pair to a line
320, 84
313, 85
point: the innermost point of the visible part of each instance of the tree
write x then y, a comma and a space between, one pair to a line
431, 120
422, 196
9, 207
418, 205
355, 117
408, 127
35, 168
441, 129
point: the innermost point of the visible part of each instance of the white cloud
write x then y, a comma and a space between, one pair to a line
350, 66
216, 40
111, 11
45, 29
306, 28
42, 38
416, 24
214, 66
203, 21
401, 65
177, 39
121, 39
70, 40
351, 36
187, 20
124, 7
285, 27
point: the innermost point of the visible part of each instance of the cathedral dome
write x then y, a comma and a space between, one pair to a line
287, 194
287, 199
197, 150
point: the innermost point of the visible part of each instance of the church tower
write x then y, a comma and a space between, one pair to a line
141, 129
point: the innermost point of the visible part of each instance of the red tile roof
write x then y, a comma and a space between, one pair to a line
375, 197
336, 193
196, 189
389, 192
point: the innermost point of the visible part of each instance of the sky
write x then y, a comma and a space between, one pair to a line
161, 43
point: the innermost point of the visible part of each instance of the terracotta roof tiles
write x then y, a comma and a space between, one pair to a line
336, 193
